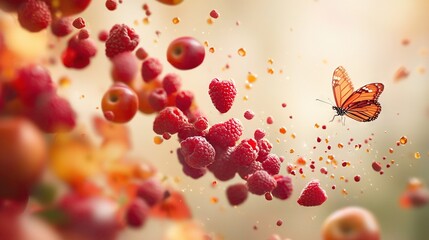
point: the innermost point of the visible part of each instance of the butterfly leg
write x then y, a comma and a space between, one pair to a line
333, 118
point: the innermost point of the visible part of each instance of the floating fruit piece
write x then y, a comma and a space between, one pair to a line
119, 103
170, 2
172, 207
185, 53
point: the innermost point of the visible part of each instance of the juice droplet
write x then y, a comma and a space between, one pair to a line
248, 86
291, 150
146, 21
340, 145
279, 222
211, 50
214, 200
209, 21
282, 130
158, 140
64, 82
316, 125
241, 52
270, 61
251, 78
270, 71
403, 140
417, 155
175, 20
293, 136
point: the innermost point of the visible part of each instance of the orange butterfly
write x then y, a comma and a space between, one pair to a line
360, 105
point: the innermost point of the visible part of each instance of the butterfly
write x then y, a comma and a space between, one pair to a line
360, 105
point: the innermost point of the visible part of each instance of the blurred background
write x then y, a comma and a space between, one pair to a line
293, 48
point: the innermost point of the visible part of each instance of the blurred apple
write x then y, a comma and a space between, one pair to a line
23, 153
351, 223
170, 2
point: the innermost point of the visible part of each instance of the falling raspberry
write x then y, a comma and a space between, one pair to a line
312, 195
284, 187
237, 194
121, 39
198, 152
261, 182
222, 94
34, 15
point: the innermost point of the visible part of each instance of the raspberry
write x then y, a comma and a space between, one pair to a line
312, 195
271, 164
125, 67
103, 35
121, 39
376, 166
83, 34
137, 213
264, 149
261, 182
151, 191
158, 99
61, 27
84, 47
169, 120
223, 168
184, 100
79, 23
246, 152
188, 130
225, 134
201, 123
141, 53
53, 114
171, 83
214, 14
237, 194
249, 114
222, 94
111, 5
187, 170
151, 69
198, 152
31, 82
246, 171
284, 187
34, 15
259, 134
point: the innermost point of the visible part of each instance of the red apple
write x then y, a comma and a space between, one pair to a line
23, 153
185, 53
351, 223
170, 2
119, 103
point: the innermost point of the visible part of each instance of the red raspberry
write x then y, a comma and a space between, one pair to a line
171, 83
121, 39
53, 114
272, 164
198, 152
124, 67
237, 194
34, 15
201, 123
284, 187
61, 27
103, 35
223, 168
151, 69
85, 48
158, 99
141, 53
137, 213
169, 120
79, 23
111, 5
376, 166
312, 195
184, 99
246, 171
264, 149
188, 130
225, 134
31, 82
151, 191
259, 134
222, 94
194, 173
246, 152
261, 182
214, 14
83, 34
249, 114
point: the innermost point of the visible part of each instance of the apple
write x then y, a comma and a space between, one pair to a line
170, 2
351, 223
119, 103
23, 154
185, 53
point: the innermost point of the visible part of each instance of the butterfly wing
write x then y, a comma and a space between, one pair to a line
364, 111
369, 92
341, 86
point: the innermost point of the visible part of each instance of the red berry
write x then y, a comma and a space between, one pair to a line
223, 168
198, 152
184, 99
103, 35
119, 103
185, 53
189, 171
85, 48
53, 114
111, 5
214, 14
259, 134
188, 130
237, 194
121, 39
312, 195
201, 123
264, 149
170, 120
83, 34
34, 15
171, 83
222, 94
141, 53
225, 134
151, 69
32, 81
246, 152
284, 187
246, 171
137, 213
79, 23
271, 164
61, 27
151, 191
357, 178
124, 67
376, 166
261, 182
158, 99
249, 115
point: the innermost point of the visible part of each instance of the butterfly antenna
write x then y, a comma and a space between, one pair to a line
323, 101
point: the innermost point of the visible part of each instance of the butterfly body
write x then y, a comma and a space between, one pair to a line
360, 105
